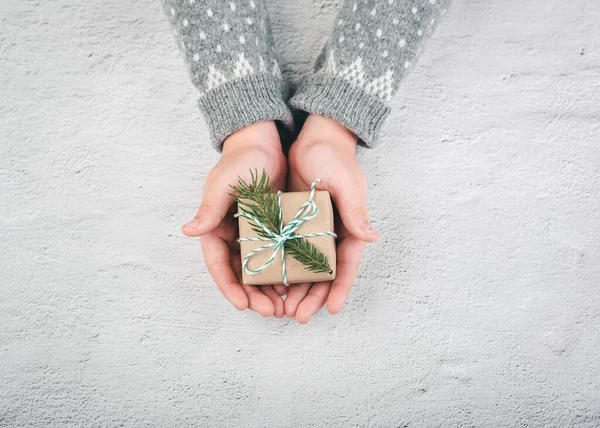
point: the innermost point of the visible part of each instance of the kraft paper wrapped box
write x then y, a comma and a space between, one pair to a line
296, 272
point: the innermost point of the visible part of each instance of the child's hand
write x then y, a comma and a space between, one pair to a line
254, 147
326, 150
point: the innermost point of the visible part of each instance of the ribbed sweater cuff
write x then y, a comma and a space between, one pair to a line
242, 102
334, 97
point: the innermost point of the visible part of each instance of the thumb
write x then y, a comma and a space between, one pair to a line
214, 207
351, 200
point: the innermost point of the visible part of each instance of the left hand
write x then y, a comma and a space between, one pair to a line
327, 150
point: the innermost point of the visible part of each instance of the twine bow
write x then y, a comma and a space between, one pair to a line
277, 239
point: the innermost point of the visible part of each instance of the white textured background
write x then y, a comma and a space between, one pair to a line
480, 306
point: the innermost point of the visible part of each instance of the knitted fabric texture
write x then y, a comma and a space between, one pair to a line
230, 56
233, 64
372, 47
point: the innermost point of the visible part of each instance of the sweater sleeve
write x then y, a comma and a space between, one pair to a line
229, 51
373, 45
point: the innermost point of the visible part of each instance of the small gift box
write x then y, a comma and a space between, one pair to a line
285, 238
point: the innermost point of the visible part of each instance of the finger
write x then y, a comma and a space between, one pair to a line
215, 204
258, 302
216, 254
350, 196
349, 252
281, 289
313, 302
295, 294
268, 290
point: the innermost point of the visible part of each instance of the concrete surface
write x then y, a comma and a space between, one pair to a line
479, 307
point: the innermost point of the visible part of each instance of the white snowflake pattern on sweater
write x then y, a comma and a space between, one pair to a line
354, 73
240, 68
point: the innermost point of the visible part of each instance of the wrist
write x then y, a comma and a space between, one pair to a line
259, 135
323, 130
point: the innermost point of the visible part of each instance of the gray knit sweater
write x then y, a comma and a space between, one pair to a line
233, 63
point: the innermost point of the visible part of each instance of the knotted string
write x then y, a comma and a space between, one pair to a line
277, 239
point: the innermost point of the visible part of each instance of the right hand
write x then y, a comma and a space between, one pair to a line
256, 146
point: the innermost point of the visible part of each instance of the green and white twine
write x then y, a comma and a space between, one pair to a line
277, 239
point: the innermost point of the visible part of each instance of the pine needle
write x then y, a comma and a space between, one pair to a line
307, 254
260, 200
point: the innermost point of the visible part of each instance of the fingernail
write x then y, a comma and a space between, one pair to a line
370, 230
193, 224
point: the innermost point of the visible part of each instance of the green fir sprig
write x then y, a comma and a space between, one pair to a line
310, 256
260, 200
